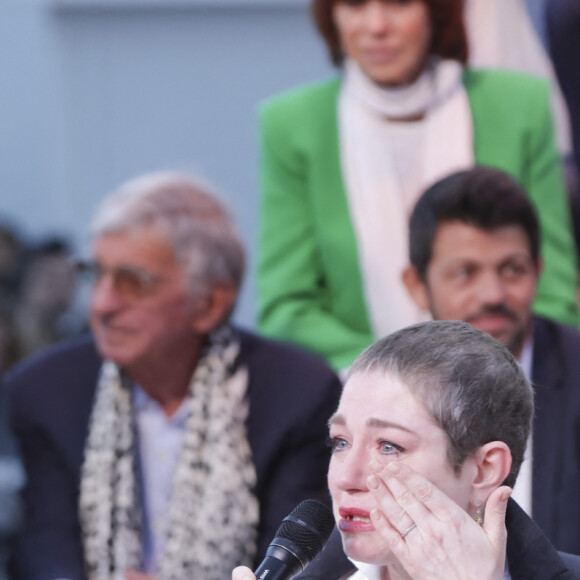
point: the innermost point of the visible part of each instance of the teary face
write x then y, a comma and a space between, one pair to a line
380, 419
389, 40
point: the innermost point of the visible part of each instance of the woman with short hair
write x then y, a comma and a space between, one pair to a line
427, 440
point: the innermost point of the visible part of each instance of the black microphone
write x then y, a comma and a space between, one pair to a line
300, 537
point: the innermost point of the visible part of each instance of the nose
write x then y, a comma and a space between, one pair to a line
491, 288
350, 471
377, 17
105, 299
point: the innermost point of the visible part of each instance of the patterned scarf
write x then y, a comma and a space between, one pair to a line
213, 512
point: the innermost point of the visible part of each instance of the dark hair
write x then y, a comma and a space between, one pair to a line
483, 197
469, 383
449, 35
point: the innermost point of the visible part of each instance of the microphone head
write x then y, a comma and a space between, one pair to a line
308, 527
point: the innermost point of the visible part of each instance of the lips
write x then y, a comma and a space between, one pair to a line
110, 326
380, 55
492, 323
354, 520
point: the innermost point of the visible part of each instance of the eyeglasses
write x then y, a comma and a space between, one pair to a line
130, 282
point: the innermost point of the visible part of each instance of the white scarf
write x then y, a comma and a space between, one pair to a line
380, 201
213, 512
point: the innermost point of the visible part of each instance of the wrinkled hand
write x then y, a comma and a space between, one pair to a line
242, 573
445, 543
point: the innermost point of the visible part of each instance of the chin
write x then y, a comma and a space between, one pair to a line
122, 361
122, 356
387, 81
508, 340
367, 548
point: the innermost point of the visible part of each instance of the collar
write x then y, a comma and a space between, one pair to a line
439, 80
526, 356
143, 402
365, 571
530, 554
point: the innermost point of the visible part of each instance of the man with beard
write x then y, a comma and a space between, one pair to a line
474, 253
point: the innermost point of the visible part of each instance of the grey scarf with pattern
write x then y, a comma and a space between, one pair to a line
213, 512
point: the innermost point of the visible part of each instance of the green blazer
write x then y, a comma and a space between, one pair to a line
309, 281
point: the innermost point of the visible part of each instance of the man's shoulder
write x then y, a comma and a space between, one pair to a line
556, 363
75, 357
294, 364
554, 333
279, 352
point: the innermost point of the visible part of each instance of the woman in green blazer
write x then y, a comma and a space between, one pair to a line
320, 273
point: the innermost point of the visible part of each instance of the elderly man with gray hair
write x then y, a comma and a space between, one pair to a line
169, 444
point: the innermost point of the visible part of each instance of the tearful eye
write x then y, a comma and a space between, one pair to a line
336, 443
388, 448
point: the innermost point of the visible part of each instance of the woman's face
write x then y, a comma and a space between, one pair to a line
388, 39
379, 419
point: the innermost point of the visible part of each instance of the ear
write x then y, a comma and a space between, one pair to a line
415, 287
214, 308
493, 462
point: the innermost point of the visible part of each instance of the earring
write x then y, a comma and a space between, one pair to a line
478, 509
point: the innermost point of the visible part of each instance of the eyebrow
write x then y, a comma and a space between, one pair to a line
338, 419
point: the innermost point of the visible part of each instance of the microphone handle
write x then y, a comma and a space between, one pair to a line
278, 564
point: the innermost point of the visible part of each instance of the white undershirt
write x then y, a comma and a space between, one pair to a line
522, 492
160, 440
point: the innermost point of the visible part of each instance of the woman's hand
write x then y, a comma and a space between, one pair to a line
430, 535
242, 573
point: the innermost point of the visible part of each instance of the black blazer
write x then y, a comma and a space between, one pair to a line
530, 555
292, 394
556, 440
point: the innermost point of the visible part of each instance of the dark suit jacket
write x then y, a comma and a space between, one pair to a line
292, 394
563, 28
529, 553
556, 441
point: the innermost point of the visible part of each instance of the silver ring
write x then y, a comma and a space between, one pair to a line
408, 530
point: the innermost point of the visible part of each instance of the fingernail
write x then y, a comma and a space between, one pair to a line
376, 466
506, 495
393, 468
373, 482
375, 515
